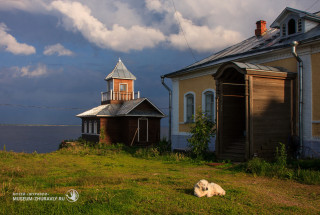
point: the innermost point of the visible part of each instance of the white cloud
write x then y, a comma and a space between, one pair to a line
31, 71
125, 25
154, 5
202, 38
10, 44
26, 5
58, 49
78, 17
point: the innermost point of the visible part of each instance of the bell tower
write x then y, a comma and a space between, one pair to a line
120, 86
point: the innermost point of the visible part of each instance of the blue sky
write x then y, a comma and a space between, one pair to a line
55, 54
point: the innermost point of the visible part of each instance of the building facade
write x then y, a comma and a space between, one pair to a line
194, 87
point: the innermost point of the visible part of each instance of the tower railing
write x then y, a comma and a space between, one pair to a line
124, 96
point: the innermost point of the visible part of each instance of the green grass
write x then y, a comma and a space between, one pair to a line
117, 181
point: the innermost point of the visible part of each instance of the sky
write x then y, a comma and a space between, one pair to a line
55, 54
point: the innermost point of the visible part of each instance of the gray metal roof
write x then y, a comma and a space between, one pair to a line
120, 71
251, 66
268, 42
125, 109
108, 110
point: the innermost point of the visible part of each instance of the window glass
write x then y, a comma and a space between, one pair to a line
123, 87
209, 105
190, 107
95, 127
90, 127
85, 128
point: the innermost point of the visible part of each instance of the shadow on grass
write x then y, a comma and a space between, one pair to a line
186, 191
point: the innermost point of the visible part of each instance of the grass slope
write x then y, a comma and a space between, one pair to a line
115, 182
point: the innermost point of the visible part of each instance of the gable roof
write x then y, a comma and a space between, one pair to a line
302, 14
268, 42
125, 109
120, 71
254, 69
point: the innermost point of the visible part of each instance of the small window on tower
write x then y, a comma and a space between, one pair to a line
123, 87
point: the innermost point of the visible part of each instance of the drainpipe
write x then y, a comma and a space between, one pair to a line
170, 105
300, 62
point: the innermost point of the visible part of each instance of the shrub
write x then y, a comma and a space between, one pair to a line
258, 166
279, 168
163, 145
201, 132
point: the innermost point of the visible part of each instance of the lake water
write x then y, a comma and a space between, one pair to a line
42, 139
36, 138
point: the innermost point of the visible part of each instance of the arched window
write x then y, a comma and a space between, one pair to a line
189, 107
208, 104
291, 26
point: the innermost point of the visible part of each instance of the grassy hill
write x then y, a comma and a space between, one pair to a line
118, 182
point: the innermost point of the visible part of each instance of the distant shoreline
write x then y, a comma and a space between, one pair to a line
36, 125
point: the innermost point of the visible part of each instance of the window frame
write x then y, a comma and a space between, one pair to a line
213, 105
123, 84
85, 127
186, 108
95, 127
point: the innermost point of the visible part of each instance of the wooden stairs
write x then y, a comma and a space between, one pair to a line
235, 151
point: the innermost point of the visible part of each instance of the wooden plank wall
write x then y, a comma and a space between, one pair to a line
272, 114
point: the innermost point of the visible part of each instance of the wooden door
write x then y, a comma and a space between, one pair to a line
143, 130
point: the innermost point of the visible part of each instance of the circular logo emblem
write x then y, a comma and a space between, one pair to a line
72, 195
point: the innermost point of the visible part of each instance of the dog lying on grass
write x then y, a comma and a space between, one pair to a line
204, 188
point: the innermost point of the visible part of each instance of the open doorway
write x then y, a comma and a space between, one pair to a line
233, 114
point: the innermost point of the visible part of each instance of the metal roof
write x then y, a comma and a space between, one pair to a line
108, 109
268, 42
125, 109
251, 66
120, 71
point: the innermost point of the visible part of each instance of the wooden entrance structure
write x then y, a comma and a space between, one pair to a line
255, 110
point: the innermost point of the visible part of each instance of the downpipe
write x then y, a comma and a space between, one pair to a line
170, 105
300, 79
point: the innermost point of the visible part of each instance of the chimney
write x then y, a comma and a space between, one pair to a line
261, 28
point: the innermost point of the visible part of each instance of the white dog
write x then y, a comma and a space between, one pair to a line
204, 188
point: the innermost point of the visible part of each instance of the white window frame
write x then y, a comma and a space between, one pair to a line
204, 101
185, 105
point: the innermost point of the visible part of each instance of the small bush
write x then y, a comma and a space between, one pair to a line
163, 145
280, 169
258, 166
201, 132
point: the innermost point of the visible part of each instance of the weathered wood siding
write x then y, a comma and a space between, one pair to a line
272, 114
123, 129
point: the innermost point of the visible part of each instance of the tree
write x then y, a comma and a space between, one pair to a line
202, 130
